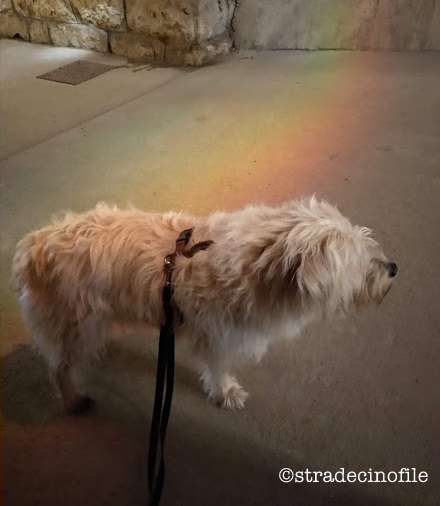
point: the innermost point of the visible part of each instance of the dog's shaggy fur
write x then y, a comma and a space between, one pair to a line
269, 272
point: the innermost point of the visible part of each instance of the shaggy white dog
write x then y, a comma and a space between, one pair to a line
269, 272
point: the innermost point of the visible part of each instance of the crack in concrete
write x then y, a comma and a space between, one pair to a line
231, 27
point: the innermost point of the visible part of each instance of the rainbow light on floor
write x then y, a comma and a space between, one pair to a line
256, 148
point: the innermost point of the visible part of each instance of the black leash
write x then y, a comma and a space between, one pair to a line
161, 411
165, 369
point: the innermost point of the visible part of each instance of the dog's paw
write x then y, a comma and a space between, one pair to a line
80, 404
232, 398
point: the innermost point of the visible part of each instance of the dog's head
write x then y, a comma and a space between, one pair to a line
336, 265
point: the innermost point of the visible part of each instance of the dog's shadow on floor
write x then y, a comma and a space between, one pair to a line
121, 383
99, 461
28, 397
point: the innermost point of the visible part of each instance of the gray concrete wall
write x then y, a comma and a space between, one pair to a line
390, 25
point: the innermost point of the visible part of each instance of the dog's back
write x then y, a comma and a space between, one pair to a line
101, 261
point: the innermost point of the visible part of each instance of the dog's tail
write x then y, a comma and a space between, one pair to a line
29, 262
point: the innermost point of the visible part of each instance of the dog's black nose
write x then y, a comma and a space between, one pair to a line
392, 269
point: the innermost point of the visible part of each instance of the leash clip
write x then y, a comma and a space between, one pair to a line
168, 267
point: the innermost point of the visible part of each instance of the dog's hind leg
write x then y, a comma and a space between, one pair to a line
63, 352
220, 386
61, 342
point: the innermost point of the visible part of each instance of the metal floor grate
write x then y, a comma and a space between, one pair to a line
77, 72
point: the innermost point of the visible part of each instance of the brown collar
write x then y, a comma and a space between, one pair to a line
181, 243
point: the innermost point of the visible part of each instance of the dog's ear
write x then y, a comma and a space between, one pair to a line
312, 273
321, 273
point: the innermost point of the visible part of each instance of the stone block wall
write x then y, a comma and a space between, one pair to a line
179, 32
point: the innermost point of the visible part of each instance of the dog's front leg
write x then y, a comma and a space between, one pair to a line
220, 386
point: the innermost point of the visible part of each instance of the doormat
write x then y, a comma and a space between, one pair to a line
77, 72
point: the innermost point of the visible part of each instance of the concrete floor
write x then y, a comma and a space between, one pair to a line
360, 129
